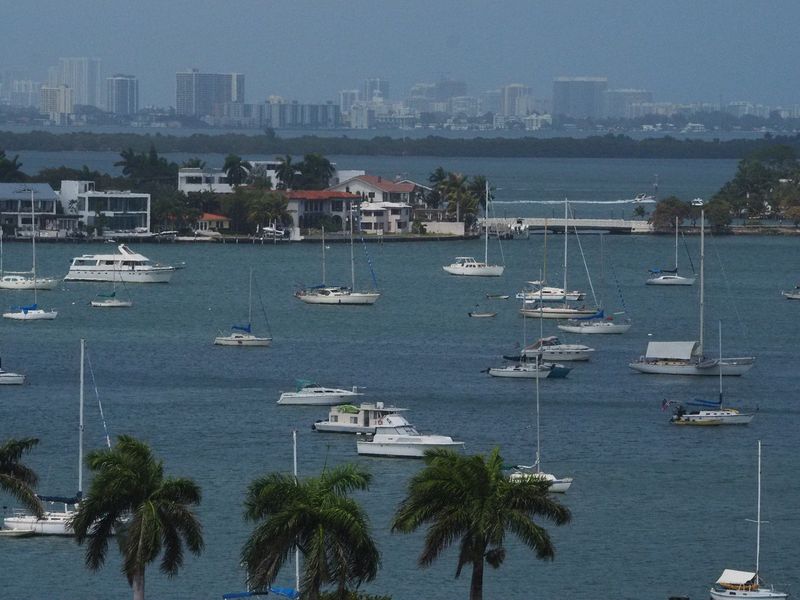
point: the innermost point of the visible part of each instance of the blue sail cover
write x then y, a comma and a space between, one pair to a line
245, 328
705, 403
656, 271
74, 500
25, 309
598, 315
278, 591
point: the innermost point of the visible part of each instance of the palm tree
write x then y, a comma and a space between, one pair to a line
286, 172
130, 495
461, 202
478, 188
268, 208
315, 171
469, 498
238, 170
194, 163
11, 169
15, 478
316, 516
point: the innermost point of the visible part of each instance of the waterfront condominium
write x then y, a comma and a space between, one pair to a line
579, 97
122, 94
82, 76
196, 93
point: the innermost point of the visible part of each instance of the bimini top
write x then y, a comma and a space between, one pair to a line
671, 350
733, 577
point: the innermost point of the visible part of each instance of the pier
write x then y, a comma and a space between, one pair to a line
556, 225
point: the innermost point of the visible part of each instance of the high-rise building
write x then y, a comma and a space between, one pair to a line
618, 103
82, 75
122, 94
492, 101
515, 100
58, 102
375, 89
444, 89
579, 97
196, 93
24, 92
346, 100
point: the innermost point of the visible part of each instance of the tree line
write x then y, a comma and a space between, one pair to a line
460, 499
600, 146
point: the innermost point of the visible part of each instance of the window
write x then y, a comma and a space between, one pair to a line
336, 206
354, 420
371, 195
395, 211
194, 180
366, 225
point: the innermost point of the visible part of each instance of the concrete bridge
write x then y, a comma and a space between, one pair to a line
511, 225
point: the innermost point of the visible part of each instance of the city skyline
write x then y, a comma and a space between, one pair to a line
646, 45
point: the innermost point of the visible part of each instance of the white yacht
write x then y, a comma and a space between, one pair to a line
551, 348
31, 312
530, 370
22, 281
467, 265
127, 266
8, 378
597, 323
792, 294
348, 418
242, 335
539, 292
670, 276
312, 394
397, 437
110, 301
336, 295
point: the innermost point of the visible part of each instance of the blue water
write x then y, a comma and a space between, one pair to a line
658, 510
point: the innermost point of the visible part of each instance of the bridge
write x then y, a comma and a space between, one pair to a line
555, 225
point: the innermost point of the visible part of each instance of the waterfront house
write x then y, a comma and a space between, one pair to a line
196, 180
214, 223
309, 208
113, 211
15, 207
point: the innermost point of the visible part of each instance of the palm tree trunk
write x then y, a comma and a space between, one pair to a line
476, 584
137, 583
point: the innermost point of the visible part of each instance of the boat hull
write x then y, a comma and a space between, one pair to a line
706, 418
11, 378
53, 523
31, 315
111, 303
560, 352
551, 312
759, 594
24, 283
328, 427
728, 366
403, 449
557, 485
295, 398
671, 280
246, 341
485, 271
793, 295
150, 275
597, 328
352, 299
482, 315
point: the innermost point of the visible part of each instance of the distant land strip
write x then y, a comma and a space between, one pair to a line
605, 146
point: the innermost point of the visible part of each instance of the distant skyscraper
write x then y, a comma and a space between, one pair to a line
82, 75
444, 89
58, 102
122, 94
375, 89
24, 92
492, 101
515, 100
346, 100
618, 103
196, 93
579, 97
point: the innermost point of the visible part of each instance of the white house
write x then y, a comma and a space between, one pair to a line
196, 180
385, 217
15, 205
114, 210
374, 188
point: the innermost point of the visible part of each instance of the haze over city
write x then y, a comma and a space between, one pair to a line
681, 51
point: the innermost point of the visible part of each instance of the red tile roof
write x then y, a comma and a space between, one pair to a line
212, 217
320, 195
386, 185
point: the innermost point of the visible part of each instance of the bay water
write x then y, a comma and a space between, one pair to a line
657, 510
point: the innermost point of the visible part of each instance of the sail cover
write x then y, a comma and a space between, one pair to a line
245, 328
598, 315
733, 577
671, 350
657, 271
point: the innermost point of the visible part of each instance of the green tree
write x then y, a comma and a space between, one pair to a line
469, 498
718, 214
268, 208
172, 210
236, 207
16, 479
477, 186
437, 180
194, 163
318, 517
11, 169
147, 167
151, 513
793, 214
286, 172
663, 217
639, 211
461, 202
315, 172
238, 170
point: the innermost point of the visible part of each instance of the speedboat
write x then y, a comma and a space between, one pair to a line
542, 293
127, 266
467, 265
550, 348
313, 394
395, 436
348, 418
336, 295
530, 370
792, 294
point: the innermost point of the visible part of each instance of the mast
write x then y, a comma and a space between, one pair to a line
566, 236
323, 255
538, 446
676, 245
486, 226
80, 425
352, 257
250, 300
296, 548
702, 280
33, 247
758, 514
720, 367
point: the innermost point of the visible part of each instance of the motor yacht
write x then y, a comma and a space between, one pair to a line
394, 436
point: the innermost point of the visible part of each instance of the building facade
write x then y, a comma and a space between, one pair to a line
112, 210
196, 93
82, 76
122, 95
375, 89
57, 102
579, 97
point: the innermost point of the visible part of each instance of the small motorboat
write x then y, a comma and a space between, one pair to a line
481, 314
394, 436
497, 296
792, 294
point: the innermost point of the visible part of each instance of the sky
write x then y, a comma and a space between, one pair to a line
681, 50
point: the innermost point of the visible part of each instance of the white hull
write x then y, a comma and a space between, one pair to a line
713, 417
473, 271
7, 378
561, 352
318, 399
557, 297
671, 280
137, 275
792, 295
759, 594
9, 282
551, 312
599, 328
242, 340
405, 449
482, 315
557, 485
111, 303
328, 427
519, 372
54, 523
31, 315
728, 366
350, 299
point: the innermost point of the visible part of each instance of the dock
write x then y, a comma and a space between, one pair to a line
556, 225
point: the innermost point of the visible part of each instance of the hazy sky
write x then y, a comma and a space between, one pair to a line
682, 50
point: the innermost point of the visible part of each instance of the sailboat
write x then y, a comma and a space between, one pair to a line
9, 378
565, 311
709, 412
340, 295
467, 265
744, 584
25, 280
539, 291
32, 312
242, 335
56, 522
687, 358
111, 300
670, 276
534, 472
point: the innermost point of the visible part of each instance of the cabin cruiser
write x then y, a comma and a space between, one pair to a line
550, 348
394, 436
543, 293
348, 418
127, 266
531, 370
313, 394
336, 295
467, 265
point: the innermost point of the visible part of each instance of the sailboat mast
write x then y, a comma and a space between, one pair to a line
566, 237
702, 280
296, 548
80, 425
676, 245
538, 446
250, 299
323, 255
758, 513
720, 366
33, 248
352, 256
486, 225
